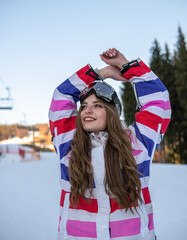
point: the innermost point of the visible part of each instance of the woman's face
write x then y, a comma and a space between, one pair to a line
93, 114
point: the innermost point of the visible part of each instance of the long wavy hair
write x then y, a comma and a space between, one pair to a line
121, 180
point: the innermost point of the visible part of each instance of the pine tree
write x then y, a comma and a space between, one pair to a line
181, 68
168, 78
129, 103
156, 67
156, 58
180, 60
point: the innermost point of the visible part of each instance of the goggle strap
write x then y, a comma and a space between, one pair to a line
93, 74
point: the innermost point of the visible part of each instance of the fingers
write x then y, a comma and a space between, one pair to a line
110, 53
103, 57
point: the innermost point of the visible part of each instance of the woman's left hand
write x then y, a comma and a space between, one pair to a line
114, 58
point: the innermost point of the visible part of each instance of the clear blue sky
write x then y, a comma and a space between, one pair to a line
44, 42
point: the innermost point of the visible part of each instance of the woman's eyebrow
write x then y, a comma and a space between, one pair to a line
92, 102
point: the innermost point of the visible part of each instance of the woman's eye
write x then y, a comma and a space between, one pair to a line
83, 107
98, 105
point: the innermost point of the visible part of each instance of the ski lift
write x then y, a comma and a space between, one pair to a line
6, 103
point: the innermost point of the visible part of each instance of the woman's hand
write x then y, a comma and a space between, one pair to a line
111, 72
114, 58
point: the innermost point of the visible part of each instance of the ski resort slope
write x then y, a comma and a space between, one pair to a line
30, 195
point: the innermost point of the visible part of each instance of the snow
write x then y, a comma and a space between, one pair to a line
169, 195
30, 196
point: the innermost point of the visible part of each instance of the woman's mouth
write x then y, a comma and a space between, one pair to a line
88, 119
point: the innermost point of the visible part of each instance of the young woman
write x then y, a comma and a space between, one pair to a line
104, 166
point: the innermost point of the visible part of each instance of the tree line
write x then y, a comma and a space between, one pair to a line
171, 68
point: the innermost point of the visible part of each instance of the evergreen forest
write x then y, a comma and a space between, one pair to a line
171, 68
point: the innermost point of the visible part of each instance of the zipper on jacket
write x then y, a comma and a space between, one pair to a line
136, 96
156, 140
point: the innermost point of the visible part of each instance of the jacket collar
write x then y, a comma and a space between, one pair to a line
99, 140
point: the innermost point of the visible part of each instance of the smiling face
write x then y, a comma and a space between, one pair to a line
93, 114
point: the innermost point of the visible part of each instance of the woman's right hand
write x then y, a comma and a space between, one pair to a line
114, 58
111, 72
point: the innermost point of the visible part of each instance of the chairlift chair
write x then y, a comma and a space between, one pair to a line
6, 103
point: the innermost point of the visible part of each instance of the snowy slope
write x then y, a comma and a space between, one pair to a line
29, 199
30, 195
169, 195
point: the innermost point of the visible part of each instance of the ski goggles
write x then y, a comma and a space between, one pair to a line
103, 91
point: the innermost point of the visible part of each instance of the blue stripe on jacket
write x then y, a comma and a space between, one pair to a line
64, 148
149, 87
68, 88
64, 172
144, 168
147, 142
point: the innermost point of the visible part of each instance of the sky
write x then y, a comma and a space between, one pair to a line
44, 42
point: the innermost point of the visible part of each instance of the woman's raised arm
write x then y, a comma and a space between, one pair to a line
153, 101
63, 108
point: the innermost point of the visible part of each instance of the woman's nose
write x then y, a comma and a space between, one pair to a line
89, 109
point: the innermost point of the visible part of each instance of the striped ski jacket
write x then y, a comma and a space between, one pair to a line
102, 219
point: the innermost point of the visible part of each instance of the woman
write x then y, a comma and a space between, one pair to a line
105, 167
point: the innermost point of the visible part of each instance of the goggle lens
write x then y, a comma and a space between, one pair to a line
102, 90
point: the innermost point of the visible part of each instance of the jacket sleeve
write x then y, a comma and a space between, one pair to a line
63, 109
153, 118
